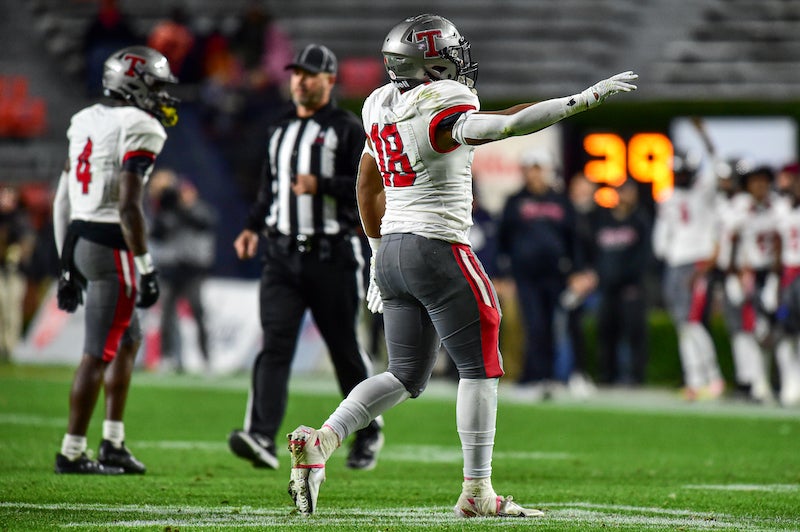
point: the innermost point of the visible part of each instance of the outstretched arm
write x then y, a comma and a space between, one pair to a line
486, 126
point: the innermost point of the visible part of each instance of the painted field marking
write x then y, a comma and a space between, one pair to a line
391, 453
579, 513
32, 420
771, 488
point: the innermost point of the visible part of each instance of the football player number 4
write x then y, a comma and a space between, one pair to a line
392, 160
84, 169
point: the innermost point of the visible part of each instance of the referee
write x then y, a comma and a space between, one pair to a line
306, 208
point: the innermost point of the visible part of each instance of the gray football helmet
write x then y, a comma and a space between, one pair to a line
427, 48
139, 75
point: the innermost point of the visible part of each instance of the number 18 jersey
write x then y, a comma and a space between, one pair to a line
428, 188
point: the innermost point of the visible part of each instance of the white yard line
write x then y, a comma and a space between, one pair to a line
771, 488
32, 420
577, 513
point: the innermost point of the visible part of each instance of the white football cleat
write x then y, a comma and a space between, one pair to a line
492, 506
310, 450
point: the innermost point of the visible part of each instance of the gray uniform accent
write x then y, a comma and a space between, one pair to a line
425, 293
104, 290
678, 291
789, 313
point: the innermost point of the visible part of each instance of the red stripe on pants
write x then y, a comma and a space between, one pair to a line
698, 305
489, 314
124, 308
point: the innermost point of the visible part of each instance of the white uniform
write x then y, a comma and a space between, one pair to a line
428, 189
684, 231
756, 226
684, 235
787, 217
101, 138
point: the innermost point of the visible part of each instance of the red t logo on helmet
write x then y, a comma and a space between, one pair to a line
427, 37
134, 60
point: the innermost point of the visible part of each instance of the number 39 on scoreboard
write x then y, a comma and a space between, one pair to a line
646, 157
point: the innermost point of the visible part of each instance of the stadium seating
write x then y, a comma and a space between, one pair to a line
21, 115
527, 49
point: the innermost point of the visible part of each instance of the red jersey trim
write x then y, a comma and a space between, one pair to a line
441, 115
139, 153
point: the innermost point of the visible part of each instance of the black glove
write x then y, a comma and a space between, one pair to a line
148, 290
70, 293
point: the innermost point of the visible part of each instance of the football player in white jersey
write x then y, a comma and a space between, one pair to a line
100, 234
683, 237
787, 351
415, 194
751, 285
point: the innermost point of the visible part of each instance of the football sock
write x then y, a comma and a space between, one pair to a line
786, 360
747, 359
706, 351
114, 431
476, 418
369, 399
690, 358
73, 446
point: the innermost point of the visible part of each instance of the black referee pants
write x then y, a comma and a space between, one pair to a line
323, 277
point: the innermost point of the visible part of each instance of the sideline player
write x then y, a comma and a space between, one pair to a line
415, 191
787, 350
684, 238
101, 238
752, 281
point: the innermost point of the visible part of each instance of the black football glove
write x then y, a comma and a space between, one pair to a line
148, 290
69, 294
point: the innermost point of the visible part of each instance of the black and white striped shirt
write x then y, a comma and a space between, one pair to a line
328, 145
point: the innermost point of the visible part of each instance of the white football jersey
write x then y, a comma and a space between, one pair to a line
428, 189
685, 228
101, 137
725, 221
756, 226
787, 215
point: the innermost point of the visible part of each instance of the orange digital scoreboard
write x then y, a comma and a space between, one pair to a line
609, 158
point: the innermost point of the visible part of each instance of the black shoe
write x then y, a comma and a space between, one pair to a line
111, 456
259, 449
364, 451
83, 465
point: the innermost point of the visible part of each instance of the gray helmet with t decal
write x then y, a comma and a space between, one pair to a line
427, 48
140, 75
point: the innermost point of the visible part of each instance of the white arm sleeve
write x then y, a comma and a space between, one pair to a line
483, 126
61, 211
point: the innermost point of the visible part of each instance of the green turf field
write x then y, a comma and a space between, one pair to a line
623, 460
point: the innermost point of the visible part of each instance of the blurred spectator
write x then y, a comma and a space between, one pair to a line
574, 301
620, 258
245, 61
182, 238
483, 234
173, 38
16, 247
263, 48
536, 233
109, 31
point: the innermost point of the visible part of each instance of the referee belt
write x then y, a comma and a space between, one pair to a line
303, 244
